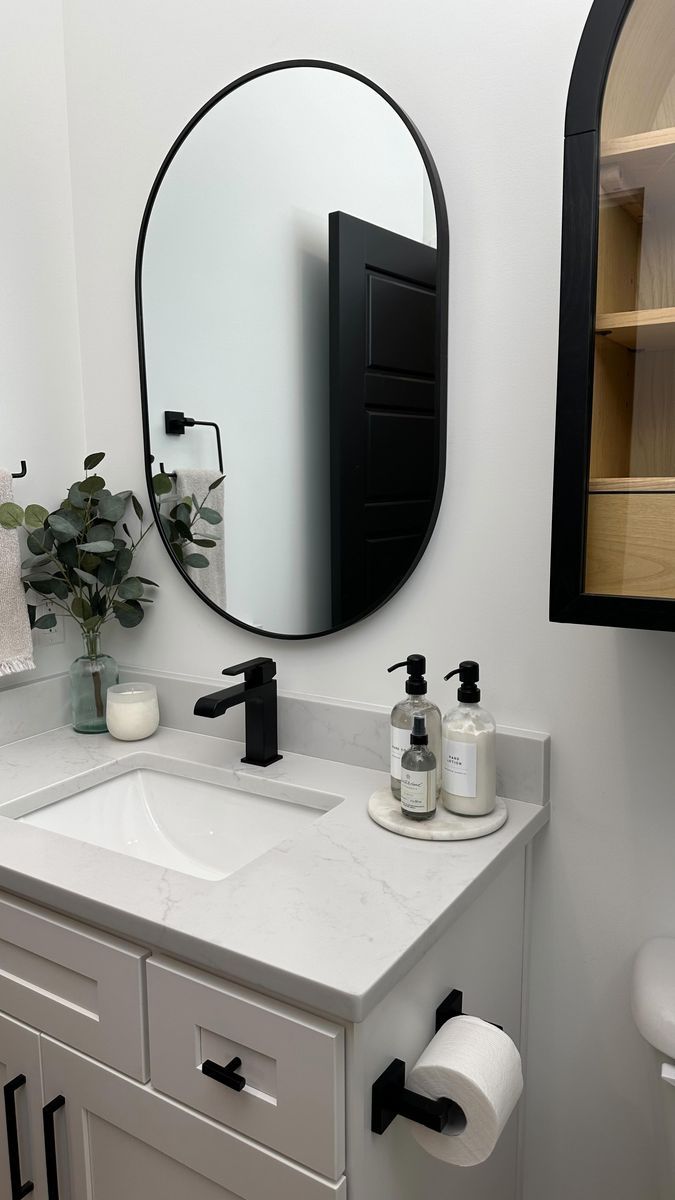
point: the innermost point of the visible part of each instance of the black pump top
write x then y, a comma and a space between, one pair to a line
469, 672
419, 735
415, 665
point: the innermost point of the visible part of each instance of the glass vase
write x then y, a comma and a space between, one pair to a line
90, 677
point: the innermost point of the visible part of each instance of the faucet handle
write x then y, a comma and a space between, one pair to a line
255, 671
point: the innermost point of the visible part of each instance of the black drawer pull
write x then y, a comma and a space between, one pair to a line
50, 1146
227, 1074
19, 1189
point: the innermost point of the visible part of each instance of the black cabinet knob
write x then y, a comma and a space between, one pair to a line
227, 1074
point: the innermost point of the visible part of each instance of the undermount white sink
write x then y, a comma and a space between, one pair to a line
202, 829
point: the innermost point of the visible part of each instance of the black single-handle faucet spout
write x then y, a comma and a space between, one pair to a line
258, 693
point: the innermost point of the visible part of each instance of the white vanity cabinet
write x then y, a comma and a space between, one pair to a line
111, 1038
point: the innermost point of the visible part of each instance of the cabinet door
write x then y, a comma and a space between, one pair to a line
21, 1159
117, 1138
613, 547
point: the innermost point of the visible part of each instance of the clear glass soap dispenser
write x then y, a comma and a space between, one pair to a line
403, 714
469, 771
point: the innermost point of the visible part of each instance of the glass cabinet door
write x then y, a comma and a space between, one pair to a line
630, 531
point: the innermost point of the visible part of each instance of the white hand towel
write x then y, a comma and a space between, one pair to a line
16, 645
210, 580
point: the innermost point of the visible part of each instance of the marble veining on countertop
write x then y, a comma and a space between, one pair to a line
330, 918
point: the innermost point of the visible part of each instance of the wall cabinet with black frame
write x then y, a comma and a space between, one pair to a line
613, 548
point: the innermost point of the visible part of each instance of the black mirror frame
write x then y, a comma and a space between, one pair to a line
568, 601
441, 352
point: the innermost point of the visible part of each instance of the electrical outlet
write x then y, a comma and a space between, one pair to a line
49, 637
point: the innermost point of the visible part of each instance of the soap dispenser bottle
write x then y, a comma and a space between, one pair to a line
403, 714
469, 772
418, 775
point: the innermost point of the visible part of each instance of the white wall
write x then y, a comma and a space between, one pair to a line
41, 415
486, 82
235, 314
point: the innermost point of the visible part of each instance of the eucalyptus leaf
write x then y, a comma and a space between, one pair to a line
48, 621
41, 541
51, 587
181, 513
11, 515
137, 507
111, 508
129, 613
123, 561
95, 483
205, 543
64, 528
92, 460
196, 560
216, 483
101, 531
162, 485
106, 573
35, 516
76, 498
130, 589
183, 531
148, 582
66, 552
91, 562
80, 608
33, 564
97, 547
210, 516
87, 577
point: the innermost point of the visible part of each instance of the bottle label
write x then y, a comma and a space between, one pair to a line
418, 791
400, 742
459, 768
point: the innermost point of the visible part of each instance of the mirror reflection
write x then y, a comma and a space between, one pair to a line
289, 292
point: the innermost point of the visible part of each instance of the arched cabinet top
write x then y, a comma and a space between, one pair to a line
591, 65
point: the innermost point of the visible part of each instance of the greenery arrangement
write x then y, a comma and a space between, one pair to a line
82, 553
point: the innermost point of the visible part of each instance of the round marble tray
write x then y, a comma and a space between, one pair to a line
385, 810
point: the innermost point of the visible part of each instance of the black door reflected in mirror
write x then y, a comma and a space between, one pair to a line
291, 291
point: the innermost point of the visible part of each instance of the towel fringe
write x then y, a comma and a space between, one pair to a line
14, 665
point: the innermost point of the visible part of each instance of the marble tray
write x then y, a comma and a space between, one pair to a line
385, 810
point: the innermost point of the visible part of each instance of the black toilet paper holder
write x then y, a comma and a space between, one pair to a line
391, 1098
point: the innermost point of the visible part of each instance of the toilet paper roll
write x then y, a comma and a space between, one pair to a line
477, 1066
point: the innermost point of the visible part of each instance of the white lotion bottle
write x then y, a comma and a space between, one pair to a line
468, 753
403, 715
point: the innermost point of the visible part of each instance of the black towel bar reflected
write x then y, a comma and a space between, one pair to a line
175, 423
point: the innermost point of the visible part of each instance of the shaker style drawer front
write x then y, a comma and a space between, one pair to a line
77, 985
292, 1064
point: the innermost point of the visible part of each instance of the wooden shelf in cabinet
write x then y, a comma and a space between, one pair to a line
631, 484
641, 160
640, 329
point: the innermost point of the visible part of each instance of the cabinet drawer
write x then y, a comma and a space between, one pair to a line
293, 1064
78, 985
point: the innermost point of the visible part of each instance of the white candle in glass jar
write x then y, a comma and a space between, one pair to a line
132, 711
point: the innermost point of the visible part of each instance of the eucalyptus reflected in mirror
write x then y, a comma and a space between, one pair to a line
292, 316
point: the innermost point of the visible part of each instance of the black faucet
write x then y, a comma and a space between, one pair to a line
258, 693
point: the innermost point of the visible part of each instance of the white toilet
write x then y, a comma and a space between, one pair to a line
654, 1012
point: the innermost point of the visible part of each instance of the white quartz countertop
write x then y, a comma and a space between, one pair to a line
330, 919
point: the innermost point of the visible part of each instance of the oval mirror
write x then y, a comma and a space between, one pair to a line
291, 289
